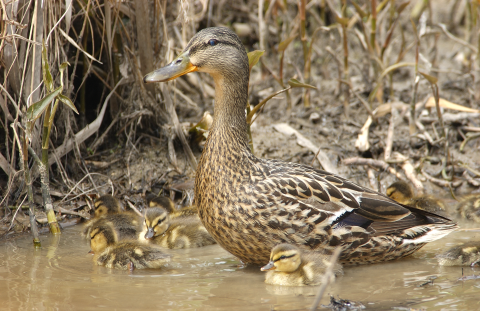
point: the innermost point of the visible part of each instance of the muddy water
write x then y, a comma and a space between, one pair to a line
62, 276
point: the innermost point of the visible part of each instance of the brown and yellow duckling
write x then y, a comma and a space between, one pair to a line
469, 207
402, 192
169, 206
290, 266
107, 204
467, 254
127, 254
127, 225
249, 204
182, 232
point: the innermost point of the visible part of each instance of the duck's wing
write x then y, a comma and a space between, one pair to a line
335, 201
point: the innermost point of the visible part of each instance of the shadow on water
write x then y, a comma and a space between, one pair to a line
62, 276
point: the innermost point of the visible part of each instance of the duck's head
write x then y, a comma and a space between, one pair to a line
106, 204
163, 202
101, 237
216, 50
401, 192
284, 258
156, 222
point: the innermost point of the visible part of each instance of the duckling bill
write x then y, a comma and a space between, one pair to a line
249, 204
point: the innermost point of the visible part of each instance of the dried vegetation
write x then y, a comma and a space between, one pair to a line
396, 95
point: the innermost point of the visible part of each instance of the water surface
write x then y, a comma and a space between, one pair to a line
62, 276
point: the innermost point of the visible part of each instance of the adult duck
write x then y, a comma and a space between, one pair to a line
249, 204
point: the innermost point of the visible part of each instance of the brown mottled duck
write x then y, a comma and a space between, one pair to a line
249, 204
402, 192
290, 266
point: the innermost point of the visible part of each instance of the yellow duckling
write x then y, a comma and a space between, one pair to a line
107, 204
125, 255
183, 232
289, 266
469, 207
402, 192
467, 254
167, 204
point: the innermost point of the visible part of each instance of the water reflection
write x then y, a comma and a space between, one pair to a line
62, 276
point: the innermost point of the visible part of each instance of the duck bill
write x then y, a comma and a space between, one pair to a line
178, 67
268, 266
91, 252
149, 234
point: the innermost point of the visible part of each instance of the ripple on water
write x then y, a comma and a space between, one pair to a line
62, 276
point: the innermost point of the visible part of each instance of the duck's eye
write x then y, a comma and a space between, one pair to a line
212, 42
282, 257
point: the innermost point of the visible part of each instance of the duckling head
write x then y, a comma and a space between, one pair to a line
157, 222
401, 192
163, 202
101, 237
106, 204
284, 258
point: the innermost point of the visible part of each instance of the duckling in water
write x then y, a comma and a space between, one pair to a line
402, 192
469, 207
124, 255
290, 266
127, 225
467, 254
183, 232
169, 206
107, 204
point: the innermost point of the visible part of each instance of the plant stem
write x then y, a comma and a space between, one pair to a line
346, 89
303, 38
47, 199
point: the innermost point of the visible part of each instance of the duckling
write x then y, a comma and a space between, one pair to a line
289, 266
402, 192
183, 232
462, 255
469, 207
107, 204
167, 204
124, 255
126, 225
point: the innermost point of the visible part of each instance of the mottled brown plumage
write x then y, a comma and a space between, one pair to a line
249, 204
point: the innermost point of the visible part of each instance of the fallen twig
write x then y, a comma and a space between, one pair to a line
441, 182
375, 163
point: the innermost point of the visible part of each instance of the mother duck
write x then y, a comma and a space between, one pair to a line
249, 204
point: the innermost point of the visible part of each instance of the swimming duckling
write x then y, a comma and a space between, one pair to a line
469, 207
467, 254
182, 232
402, 192
291, 266
166, 203
127, 225
107, 204
124, 255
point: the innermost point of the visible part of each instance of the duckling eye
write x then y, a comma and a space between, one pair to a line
212, 42
282, 257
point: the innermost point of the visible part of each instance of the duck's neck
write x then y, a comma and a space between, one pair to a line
229, 129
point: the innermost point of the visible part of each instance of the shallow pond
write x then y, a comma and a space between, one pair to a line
62, 276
